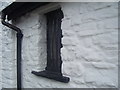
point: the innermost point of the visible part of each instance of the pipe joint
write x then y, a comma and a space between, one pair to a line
19, 35
19, 46
3, 17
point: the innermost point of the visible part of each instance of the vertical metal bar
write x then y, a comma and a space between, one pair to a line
19, 46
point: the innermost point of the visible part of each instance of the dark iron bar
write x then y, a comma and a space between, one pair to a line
19, 46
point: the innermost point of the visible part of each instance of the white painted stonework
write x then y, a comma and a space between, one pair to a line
3, 4
89, 53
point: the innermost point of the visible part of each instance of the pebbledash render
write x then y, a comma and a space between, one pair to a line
89, 53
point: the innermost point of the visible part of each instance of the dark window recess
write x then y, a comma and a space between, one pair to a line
54, 35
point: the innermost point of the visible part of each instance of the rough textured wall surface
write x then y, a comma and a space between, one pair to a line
3, 4
89, 53
90, 40
8, 58
34, 54
0, 56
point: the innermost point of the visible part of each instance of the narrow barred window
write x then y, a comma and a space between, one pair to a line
54, 35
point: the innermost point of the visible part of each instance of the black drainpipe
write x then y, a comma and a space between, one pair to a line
19, 44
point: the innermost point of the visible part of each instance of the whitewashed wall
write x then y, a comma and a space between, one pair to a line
89, 53
0, 57
3, 4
